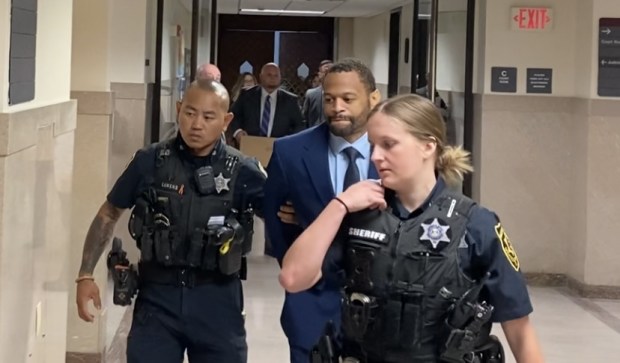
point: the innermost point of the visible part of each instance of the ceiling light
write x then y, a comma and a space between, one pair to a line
283, 11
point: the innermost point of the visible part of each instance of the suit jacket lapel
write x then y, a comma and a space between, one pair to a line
257, 106
278, 113
316, 160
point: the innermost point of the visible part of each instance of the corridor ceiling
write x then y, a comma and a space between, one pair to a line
332, 8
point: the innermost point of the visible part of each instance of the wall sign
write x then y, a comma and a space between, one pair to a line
609, 57
539, 80
531, 19
22, 53
503, 79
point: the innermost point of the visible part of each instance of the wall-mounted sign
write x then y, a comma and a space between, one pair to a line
609, 57
539, 80
531, 19
504, 79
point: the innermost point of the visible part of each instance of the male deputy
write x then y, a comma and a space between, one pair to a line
191, 197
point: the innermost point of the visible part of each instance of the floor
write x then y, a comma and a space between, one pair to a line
571, 329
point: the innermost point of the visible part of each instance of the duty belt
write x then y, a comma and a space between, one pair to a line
180, 276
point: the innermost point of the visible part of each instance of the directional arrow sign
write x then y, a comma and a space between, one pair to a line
609, 57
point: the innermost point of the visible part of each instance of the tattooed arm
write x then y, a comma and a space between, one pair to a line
98, 236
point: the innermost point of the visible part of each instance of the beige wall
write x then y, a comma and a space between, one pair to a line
543, 163
371, 44
36, 163
553, 49
89, 69
127, 40
36, 184
345, 38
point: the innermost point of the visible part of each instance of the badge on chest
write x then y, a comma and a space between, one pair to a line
435, 234
207, 183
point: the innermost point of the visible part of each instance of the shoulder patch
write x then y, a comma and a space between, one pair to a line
507, 247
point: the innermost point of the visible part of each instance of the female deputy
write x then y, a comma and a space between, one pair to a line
426, 270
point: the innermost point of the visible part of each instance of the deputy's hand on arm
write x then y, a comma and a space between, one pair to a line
301, 267
287, 213
98, 236
366, 194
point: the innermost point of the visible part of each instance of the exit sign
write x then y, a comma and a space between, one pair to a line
532, 19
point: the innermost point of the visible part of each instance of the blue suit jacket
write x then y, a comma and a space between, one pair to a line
298, 171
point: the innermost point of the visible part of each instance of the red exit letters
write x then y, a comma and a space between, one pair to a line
531, 18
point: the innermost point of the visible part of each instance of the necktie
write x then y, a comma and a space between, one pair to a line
352, 174
264, 120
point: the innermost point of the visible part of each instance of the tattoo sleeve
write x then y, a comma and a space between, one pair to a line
98, 236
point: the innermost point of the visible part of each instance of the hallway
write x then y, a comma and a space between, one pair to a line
571, 329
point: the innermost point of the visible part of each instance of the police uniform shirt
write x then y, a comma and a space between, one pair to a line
484, 251
248, 189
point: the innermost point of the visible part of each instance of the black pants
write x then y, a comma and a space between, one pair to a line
205, 320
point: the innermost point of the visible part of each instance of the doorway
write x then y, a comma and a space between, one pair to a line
296, 44
394, 52
442, 64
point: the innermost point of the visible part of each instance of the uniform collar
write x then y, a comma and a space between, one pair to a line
401, 212
215, 154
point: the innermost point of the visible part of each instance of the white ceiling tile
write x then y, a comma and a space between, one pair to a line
314, 5
264, 4
335, 8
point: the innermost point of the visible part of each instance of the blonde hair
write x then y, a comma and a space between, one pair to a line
424, 121
236, 89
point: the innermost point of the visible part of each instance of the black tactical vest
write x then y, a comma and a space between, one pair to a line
402, 277
186, 217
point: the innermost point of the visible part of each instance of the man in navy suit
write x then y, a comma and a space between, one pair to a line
308, 169
266, 110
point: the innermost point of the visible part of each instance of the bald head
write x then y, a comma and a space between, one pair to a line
203, 115
208, 71
211, 86
270, 77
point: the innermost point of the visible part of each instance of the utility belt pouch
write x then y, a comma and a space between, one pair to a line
359, 268
163, 251
209, 256
358, 315
246, 219
196, 247
411, 303
145, 243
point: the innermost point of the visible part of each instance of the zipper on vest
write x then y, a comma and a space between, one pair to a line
393, 251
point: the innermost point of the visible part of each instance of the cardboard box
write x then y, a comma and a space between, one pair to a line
257, 146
